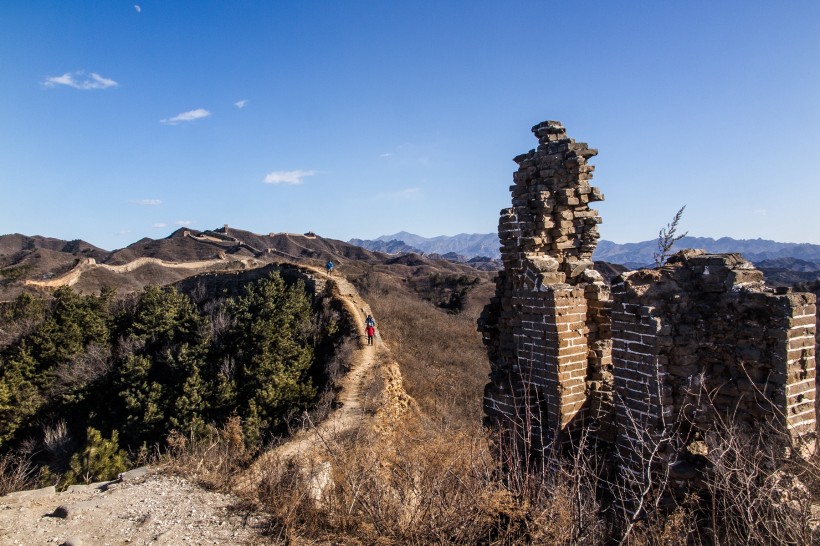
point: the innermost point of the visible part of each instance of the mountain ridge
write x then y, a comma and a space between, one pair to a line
633, 255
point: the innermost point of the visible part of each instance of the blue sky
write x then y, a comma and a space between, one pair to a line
362, 118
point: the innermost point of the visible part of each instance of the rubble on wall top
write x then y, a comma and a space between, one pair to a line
698, 257
549, 127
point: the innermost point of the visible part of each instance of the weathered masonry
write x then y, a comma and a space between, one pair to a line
703, 339
668, 352
547, 330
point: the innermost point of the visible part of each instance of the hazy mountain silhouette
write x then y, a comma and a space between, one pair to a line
632, 255
470, 245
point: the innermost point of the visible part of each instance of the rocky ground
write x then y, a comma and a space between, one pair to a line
141, 508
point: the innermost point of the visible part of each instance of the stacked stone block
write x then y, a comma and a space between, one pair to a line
652, 364
546, 328
703, 341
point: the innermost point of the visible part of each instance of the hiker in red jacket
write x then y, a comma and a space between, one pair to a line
371, 331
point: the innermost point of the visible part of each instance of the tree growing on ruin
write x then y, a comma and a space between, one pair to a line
667, 238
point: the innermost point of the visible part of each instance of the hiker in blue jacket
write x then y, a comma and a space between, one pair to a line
329, 267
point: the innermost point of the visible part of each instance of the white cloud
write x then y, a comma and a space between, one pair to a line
148, 202
760, 212
78, 80
388, 154
160, 225
183, 223
407, 193
241, 104
287, 177
138, 8
190, 115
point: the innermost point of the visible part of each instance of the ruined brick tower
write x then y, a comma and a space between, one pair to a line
660, 360
546, 330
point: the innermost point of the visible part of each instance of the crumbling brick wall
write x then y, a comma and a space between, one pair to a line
546, 330
702, 341
667, 352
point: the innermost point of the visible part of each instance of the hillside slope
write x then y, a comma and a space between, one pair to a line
28, 263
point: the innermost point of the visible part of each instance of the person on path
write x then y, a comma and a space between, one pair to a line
371, 331
370, 321
329, 267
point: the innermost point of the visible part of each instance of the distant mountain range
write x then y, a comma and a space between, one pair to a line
758, 251
470, 245
801, 257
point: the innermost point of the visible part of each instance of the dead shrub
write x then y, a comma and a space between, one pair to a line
755, 494
213, 457
17, 473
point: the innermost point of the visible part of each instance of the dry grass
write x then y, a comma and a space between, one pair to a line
442, 359
213, 459
405, 488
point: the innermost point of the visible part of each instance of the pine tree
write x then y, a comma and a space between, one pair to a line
98, 460
273, 352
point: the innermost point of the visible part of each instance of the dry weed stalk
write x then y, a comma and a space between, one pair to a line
17, 473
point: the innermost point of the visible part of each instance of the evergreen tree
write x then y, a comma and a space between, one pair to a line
159, 379
98, 460
19, 396
272, 350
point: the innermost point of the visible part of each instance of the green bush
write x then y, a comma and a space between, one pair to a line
99, 460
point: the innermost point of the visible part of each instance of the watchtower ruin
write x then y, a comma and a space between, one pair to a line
664, 351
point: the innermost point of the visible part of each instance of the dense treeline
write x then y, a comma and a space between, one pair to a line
87, 382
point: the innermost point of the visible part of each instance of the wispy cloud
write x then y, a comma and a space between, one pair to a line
287, 177
241, 103
183, 223
79, 80
760, 212
401, 195
386, 155
190, 115
148, 202
160, 225
138, 8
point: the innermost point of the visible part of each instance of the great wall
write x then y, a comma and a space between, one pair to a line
224, 261
652, 363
